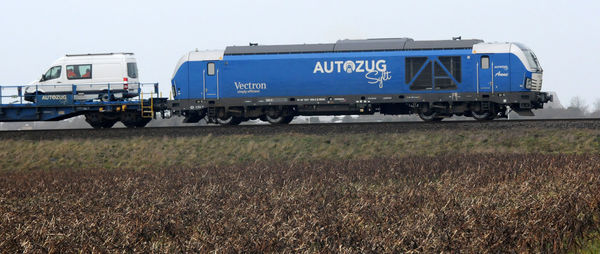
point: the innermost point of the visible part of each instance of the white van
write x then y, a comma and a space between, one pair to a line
95, 76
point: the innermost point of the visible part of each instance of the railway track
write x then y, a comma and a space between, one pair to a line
322, 129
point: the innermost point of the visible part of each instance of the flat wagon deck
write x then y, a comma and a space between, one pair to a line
103, 112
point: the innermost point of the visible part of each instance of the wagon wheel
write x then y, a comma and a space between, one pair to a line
130, 118
142, 122
133, 119
94, 119
98, 121
108, 123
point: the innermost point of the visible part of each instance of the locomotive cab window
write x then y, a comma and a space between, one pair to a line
485, 62
210, 69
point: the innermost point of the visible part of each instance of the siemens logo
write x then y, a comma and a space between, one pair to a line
249, 87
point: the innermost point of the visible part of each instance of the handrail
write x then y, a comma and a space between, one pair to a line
19, 94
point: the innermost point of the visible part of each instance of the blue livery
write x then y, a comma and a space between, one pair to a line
376, 69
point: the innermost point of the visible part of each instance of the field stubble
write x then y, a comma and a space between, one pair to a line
471, 203
499, 190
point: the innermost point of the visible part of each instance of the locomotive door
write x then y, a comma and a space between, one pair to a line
484, 74
211, 81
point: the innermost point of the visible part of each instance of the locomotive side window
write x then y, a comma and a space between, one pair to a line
485, 62
424, 80
211, 69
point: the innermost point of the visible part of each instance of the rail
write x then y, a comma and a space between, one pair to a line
76, 94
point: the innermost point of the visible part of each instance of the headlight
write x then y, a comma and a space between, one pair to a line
528, 83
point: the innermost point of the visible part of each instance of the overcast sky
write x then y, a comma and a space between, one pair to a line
563, 34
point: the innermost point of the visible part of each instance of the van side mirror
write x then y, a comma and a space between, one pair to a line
43, 78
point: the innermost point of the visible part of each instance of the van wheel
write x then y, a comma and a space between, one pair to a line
31, 97
105, 98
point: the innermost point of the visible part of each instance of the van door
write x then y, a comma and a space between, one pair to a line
484, 74
211, 80
53, 75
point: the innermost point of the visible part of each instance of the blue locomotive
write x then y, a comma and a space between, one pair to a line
435, 79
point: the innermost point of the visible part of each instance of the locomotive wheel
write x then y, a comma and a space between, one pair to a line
279, 120
483, 116
232, 120
430, 116
194, 116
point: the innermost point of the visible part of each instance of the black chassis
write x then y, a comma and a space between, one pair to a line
394, 104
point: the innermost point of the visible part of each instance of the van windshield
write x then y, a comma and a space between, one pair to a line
132, 70
52, 73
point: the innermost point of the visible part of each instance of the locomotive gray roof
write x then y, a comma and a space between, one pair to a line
279, 49
352, 46
447, 44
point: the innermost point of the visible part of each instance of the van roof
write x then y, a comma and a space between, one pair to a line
99, 54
